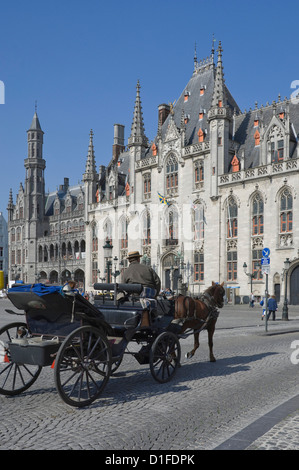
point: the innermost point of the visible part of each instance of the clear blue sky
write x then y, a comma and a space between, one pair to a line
81, 61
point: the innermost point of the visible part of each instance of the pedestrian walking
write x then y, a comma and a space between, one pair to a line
252, 299
263, 304
272, 307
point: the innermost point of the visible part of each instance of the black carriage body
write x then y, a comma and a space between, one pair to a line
52, 315
55, 313
87, 342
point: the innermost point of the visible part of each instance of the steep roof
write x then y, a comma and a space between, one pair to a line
197, 97
245, 129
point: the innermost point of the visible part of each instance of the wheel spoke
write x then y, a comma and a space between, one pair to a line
164, 357
82, 366
14, 377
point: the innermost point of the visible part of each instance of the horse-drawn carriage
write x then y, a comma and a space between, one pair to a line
85, 343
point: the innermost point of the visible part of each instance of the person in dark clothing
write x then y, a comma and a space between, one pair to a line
138, 273
272, 307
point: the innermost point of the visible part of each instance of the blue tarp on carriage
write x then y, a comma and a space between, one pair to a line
38, 289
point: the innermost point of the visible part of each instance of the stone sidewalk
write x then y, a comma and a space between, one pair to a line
279, 429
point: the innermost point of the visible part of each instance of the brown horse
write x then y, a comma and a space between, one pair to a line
200, 313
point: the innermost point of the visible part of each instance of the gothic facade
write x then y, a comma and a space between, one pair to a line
46, 231
201, 202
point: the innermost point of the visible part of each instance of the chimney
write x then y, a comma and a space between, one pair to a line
66, 183
164, 110
119, 141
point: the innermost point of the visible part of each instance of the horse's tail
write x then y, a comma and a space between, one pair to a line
190, 306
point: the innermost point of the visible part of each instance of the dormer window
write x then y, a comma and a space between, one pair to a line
201, 135
201, 114
257, 138
186, 95
235, 164
256, 123
186, 118
202, 90
281, 115
154, 150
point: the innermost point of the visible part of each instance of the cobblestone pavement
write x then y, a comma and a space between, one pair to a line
283, 436
248, 399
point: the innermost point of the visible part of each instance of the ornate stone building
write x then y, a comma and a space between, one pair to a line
202, 200
46, 231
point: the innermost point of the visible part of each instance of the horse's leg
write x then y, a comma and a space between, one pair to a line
211, 329
195, 347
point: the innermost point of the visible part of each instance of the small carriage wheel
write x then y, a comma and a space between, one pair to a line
165, 355
15, 378
82, 366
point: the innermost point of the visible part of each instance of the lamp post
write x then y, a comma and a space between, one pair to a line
108, 255
252, 276
179, 262
285, 310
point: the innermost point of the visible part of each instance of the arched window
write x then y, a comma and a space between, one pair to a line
146, 229
286, 212
171, 226
69, 251
171, 174
198, 173
198, 222
108, 230
147, 186
94, 238
124, 233
257, 215
232, 219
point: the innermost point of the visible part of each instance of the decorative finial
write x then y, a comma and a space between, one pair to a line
35, 106
213, 42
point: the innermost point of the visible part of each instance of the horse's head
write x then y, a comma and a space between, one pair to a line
218, 292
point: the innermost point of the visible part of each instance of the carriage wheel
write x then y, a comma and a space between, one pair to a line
82, 366
165, 355
15, 378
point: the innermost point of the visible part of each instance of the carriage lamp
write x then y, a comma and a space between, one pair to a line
285, 309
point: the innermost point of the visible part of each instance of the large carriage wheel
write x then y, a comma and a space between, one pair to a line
165, 355
15, 378
83, 366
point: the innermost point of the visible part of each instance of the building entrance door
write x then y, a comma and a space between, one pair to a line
168, 284
294, 287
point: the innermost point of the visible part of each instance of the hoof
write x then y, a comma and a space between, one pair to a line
189, 355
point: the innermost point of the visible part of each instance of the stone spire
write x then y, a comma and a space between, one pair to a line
90, 167
10, 201
218, 93
35, 125
35, 138
10, 206
137, 136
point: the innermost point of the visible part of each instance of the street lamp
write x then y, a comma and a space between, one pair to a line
108, 255
285, 310
252, 276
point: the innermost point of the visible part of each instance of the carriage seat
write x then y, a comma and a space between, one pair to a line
121, 318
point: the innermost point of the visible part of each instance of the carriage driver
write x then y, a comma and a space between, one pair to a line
138, 273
